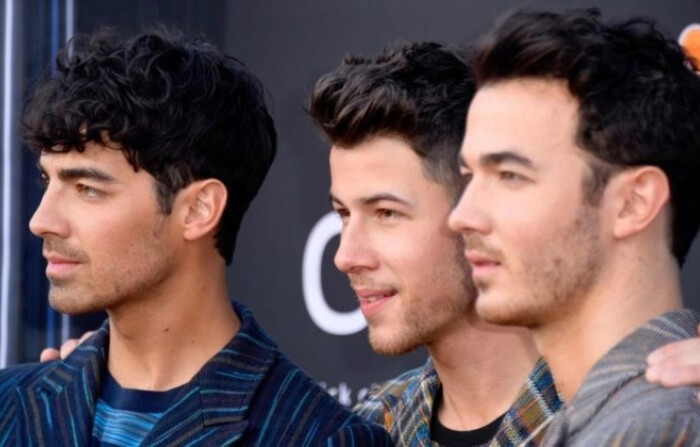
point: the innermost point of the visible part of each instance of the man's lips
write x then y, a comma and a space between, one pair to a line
57, 265
479, 259
371, 300
370, 296
481, 264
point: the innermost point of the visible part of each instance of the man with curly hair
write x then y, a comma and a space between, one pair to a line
151, 150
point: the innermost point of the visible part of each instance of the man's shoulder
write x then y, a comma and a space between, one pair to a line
398, 385
18, 376
302, 410
389, 396
289, 382
641, 398
13, 381
642, 413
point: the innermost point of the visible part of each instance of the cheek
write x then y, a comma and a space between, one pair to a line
116, 235
406, 251
433, 254
533, 214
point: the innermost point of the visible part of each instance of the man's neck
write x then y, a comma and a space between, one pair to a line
481, 368
161, 341
622, 300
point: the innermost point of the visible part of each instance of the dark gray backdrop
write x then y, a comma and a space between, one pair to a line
289, 44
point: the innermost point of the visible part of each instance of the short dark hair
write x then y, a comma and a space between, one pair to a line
179, 109
418, 92
638, 95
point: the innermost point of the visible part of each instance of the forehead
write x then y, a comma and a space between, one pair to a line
380, 163
95, 155
532, 116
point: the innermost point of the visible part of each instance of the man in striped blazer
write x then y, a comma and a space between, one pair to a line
151, 150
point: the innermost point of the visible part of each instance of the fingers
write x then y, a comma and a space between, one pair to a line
85, 336
49, 354
673, 376
676, 364
683, 351
68, 347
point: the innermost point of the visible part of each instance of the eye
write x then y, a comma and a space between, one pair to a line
387, 214
89, 191
466, 177
511, 177
343, 213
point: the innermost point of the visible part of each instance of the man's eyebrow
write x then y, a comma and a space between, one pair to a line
374, 198
95, 174
497, 158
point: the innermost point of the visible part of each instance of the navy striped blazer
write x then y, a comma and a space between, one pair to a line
248, 394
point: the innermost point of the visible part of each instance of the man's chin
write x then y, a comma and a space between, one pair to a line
493, 310
391, 345
71, 307
509, 317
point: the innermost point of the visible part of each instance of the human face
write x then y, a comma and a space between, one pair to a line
533, 242
105, 241
404, 264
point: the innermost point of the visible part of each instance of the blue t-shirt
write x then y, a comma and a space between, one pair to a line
125, 416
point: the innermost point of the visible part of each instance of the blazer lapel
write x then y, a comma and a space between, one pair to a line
213, 407
211, 410
57, 408
188, 423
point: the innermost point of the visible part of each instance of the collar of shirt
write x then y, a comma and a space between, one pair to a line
408, 406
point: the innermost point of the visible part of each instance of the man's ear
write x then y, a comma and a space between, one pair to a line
639, 197
202, 204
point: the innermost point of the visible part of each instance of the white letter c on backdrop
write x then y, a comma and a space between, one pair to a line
326, 318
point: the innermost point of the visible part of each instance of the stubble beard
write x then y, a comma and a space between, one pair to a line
426, 318
556, 280
116, 283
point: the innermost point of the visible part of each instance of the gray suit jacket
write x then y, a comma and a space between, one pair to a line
617, 406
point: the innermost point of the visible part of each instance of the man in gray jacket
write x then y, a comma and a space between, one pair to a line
582, 160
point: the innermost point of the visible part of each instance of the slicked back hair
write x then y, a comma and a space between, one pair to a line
178, 108
638, 95
418, 92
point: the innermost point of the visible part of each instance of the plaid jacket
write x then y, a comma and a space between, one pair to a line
404, 407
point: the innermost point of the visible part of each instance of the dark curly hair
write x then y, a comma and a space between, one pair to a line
638, 95
179, 109
419, 92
